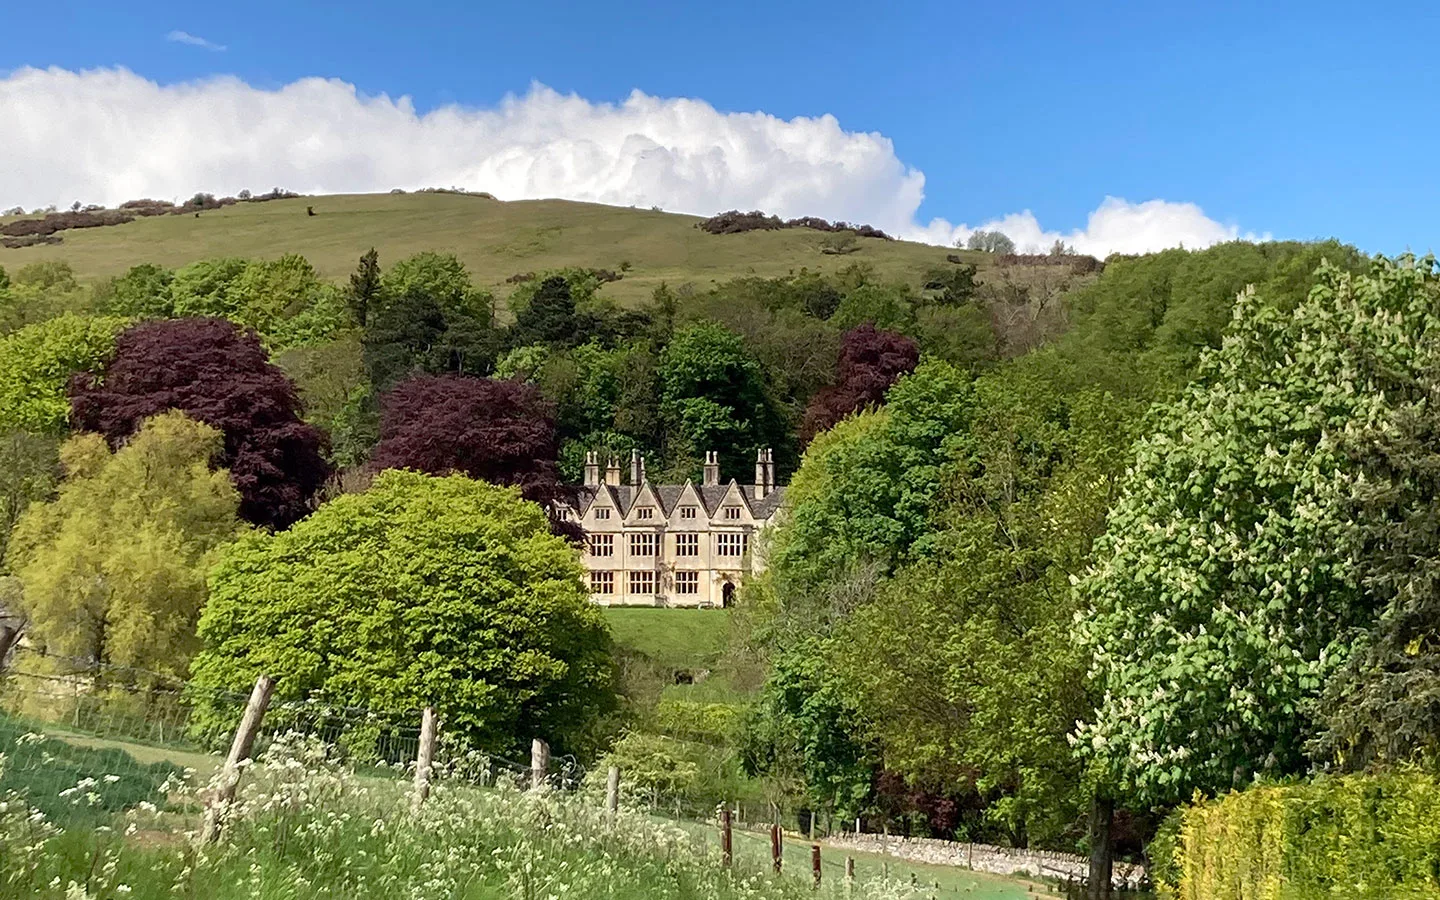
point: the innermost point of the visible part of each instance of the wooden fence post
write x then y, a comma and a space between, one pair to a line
775, 847
426, 755
815, 863
612, 792
849, 875
539, 763
726, 847
240, 747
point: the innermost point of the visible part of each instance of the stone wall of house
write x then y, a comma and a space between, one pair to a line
986, 858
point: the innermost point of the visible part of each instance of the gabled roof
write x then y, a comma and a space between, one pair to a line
729, 493
623, 497
646, 492
770, 504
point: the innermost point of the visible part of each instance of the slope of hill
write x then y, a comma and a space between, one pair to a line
495, 240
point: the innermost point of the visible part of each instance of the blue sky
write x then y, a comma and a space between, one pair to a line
1295, 119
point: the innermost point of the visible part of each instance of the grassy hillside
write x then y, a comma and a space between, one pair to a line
494, 239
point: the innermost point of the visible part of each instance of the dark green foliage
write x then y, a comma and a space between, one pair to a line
364, 287
549, 317
430, 320
713, 398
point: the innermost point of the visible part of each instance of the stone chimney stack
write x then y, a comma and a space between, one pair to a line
637, 468
612, 472
769, 470
592, 469
761, 479
712, 468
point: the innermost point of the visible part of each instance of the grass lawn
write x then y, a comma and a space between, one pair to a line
674, 638
494, 239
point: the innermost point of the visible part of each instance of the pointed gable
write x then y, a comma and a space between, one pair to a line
645, 499
732, 497
688, 497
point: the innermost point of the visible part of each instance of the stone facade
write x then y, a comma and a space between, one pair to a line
672, 544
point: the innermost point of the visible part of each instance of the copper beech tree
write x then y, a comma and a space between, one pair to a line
216, 373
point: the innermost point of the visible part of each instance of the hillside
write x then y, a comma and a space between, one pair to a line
495, 240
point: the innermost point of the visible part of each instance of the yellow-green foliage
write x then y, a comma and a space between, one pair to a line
1355, 836
114, 568
713, 723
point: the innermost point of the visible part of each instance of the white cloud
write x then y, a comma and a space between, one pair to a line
1117, 226
185, 37
109, 135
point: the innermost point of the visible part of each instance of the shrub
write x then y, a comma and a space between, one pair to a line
1356, 836
737, 222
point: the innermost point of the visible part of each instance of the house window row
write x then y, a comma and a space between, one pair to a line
643, 583
686, 544
731, 544
730, 513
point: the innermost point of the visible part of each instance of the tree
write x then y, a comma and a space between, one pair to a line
212, 371
37, 363
143, 292
365, 287
429, 319
499, 431
29, 470
549, 317
422, 590
1225, 592
39, 292
990, 242
866, 489
870, 362
805, 723
1383, 707
114, 568
713, 397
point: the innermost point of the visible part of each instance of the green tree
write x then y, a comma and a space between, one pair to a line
866, 490
29, 470
422, 590
431, 319
203, 288
39, 292
143, 292
1225, 592
365, 287
713, 397
114, 567
37, 363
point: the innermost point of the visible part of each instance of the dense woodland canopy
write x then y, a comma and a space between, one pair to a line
1058, 542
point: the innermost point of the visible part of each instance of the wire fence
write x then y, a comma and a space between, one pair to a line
67, 724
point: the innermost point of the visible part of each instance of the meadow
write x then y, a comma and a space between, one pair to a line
307, 825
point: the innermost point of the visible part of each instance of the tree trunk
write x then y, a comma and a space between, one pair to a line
1102, 863
9, 635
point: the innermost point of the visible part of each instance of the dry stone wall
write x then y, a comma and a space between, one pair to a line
986, 858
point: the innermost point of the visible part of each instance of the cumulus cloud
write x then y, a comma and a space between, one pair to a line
1117, 226
185, 37
110, 135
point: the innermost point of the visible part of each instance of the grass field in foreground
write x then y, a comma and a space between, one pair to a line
494, 239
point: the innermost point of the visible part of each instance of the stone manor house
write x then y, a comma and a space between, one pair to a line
671, 544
